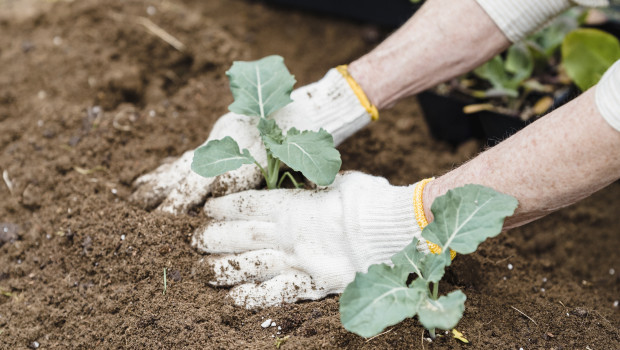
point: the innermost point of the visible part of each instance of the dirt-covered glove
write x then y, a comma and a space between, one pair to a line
305, 244
334, 103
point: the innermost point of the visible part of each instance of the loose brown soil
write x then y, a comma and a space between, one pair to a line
68, 279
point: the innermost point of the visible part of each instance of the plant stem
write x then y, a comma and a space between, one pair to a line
435, 295
273, 169
262, 170
295, 183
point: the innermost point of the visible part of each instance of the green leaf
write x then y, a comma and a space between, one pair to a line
466, 216
549, 39
435, 266
270, 130
587, 54
493, 71
260, 87
429, 267
520, 63
312, 153
443, 313
378, 299
506, 76
219, 156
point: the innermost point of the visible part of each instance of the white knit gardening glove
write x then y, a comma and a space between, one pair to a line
334, 103
304, 244
518, 18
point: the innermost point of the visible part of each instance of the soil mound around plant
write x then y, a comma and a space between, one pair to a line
91, 97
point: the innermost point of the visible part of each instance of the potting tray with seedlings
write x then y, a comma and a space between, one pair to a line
94, 94
531, 78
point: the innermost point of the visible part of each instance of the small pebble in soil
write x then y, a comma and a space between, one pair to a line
152, 113
544, 279
279, 328
616, 303
175, 275
8, 232
273, 324
57, 41
27, 46
510, 267
504, 278
114, 191
266, 324
542, 290
35, 344
612, 271
122, 237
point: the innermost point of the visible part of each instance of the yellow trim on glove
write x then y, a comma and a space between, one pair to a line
357, 90
418, 207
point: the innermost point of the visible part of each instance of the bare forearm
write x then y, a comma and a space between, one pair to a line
444, 39
554, 162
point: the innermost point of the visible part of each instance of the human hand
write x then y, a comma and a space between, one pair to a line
329, 104
304, 244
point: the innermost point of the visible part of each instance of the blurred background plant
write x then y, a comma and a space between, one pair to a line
570, 54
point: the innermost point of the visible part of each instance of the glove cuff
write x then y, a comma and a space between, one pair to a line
359, 92
379, 218
420, 216
333, 105
390, 225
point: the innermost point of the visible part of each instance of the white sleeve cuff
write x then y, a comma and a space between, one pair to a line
518, 18
608, 96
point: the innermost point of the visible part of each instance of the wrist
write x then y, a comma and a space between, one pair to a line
424, 195
361, 71
359, 92
428, 196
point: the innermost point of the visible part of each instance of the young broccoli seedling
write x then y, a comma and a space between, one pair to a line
260, 88
464, 218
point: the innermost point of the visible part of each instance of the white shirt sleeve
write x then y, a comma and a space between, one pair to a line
518, 18
608, 96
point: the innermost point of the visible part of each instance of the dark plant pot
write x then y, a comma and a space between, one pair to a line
498, 127
389, 13
446, 120
612, 27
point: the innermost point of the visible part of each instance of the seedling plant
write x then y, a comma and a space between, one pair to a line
260, 88
464, 218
